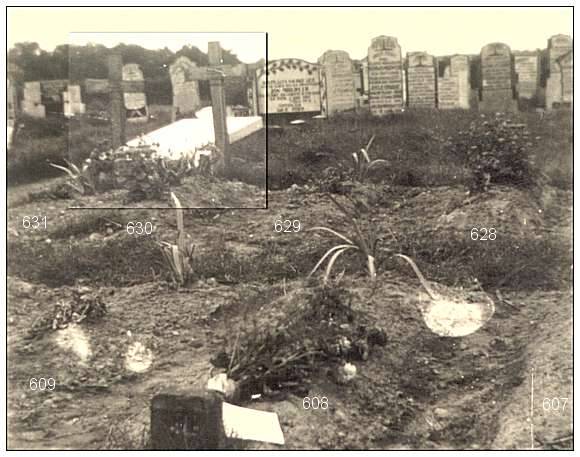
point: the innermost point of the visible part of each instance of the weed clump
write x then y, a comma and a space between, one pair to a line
301, 333
496, 151
85, 304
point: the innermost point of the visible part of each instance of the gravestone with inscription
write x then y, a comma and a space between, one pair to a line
448, 90
497, 78
186, 98
527, 68
135, 100
385, 76
293, 87
420, 80
454, 88
32, 101
460, 67
559, 82
337, 77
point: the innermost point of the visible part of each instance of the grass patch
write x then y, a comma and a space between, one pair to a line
412, 142
117, 262
40, 141
511, 262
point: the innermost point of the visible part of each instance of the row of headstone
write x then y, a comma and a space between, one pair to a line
60, 92
389, 83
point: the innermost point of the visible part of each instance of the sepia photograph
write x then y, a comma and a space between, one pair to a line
289, 228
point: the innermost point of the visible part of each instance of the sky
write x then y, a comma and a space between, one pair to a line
304, 33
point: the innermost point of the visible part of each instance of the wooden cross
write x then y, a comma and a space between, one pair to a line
116, 102
216, 73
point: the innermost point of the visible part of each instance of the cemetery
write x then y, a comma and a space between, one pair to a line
393, 285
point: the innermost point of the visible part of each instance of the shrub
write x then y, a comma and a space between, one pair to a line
496, 151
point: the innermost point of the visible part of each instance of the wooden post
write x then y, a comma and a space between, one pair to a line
218, 102
116, 102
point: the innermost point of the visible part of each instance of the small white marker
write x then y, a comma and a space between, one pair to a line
532, 410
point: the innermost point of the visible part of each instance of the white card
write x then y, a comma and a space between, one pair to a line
251, 424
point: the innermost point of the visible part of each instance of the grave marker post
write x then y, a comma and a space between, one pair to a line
218, 102
116, 102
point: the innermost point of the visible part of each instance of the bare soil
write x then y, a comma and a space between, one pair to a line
420, 391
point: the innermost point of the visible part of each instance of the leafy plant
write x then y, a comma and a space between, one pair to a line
179, 257
141, 171
364, 243
496, 152
363, 163
79, 179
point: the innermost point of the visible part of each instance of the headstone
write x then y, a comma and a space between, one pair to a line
448, 90
32, 101
558, 45
12, 101
497, 80
460, 69
527, 68
293, 86
339, 82
385, 76
559, 82
187, 422
135, 100
186, 98
72, 102
420, 80
454, 88
567, 65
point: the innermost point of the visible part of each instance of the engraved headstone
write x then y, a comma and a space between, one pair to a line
186, 98
460, 68
454, 88
527, 68
32, 101
559, 82
385, 75
448, 90
420, 80
339, 82
135, 100
497, 78
293, 86
558, 45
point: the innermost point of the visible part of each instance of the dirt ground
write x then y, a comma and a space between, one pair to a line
420, 391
